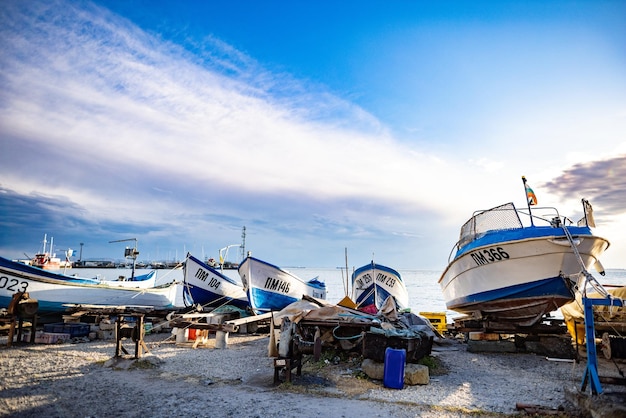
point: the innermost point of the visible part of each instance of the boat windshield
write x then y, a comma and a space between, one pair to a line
499, 218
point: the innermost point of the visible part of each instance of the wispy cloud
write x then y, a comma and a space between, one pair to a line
102, 90
109, 117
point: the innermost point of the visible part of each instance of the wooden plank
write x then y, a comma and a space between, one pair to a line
204, 326
195, 325
249, 319
610, 326
197, 315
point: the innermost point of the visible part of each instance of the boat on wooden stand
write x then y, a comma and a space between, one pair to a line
270, 288
55, 291
373, 283
505, 271
209, 287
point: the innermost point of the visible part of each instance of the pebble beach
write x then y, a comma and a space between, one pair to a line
85, 379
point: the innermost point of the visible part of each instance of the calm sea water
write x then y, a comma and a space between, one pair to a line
424, 291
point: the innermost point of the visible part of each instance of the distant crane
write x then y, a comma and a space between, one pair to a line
130, 253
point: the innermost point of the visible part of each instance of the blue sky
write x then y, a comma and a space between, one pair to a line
318, 126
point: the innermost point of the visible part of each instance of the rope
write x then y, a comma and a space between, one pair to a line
345, 338
588, 276
174, 268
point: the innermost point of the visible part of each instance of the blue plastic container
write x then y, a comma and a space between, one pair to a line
393, 376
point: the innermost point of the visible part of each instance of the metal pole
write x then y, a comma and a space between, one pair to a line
528, 201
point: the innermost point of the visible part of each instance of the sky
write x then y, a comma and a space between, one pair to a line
321, 127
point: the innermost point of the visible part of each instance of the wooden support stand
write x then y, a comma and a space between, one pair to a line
287, 365
20, 308
134, 332
33, 327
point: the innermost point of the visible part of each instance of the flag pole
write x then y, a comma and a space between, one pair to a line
528, 201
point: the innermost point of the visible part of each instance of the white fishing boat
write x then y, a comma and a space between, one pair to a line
270, 288
506, 271
208, 287
373, 283
54, 291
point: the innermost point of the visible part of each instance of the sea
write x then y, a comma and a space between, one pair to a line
424, 292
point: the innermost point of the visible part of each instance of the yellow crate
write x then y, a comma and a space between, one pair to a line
437, 319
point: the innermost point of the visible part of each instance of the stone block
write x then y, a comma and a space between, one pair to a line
416, 374
106, 335
484, 336
373, 369
107, 326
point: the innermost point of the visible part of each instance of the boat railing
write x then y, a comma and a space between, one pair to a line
508, 217
499, 218
548, 215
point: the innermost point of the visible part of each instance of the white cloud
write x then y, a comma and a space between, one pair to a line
118, 116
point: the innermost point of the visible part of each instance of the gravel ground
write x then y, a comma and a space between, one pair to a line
85, 380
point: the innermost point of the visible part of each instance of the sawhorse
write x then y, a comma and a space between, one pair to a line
591, 372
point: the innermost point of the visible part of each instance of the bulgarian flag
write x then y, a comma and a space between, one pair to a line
530, 195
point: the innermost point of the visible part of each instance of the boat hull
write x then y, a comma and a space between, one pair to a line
373, 283
53, 291
518, 280
270, 288
208, 287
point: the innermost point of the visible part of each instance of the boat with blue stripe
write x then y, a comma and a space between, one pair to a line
271, 288
506, 271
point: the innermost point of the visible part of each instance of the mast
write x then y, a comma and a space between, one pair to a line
347, 284
243, 244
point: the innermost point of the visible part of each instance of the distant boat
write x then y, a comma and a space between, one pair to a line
506, 273
48, 260
142, 281
223, 262
270, 288
208, 287
53, 291
212, 263
373, 283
